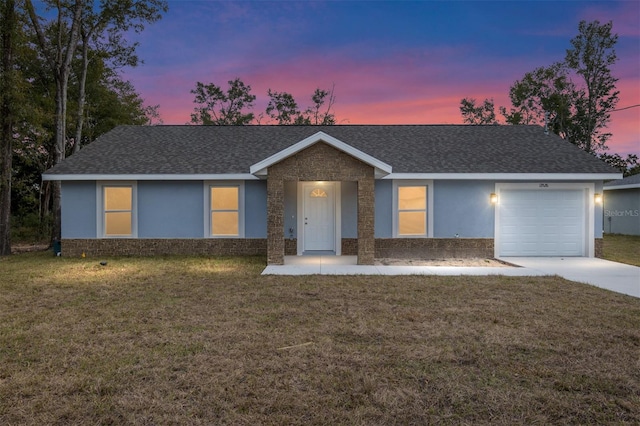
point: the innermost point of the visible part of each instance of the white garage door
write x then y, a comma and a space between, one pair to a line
542, 223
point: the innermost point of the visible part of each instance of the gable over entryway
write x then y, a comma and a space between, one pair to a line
320, 158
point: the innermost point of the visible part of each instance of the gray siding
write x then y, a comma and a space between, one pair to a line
622, 211
79, 215
170, 209
462, 208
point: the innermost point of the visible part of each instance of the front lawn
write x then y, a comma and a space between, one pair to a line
191, 340
622, 248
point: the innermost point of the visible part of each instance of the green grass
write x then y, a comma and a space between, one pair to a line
622, 248
191, 340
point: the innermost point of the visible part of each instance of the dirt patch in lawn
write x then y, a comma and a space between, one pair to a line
442, 262
28, 248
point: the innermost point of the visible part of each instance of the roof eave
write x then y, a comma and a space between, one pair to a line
143, 177
630, 186
506, 176
380, 175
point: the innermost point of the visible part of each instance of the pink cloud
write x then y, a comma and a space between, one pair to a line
402, 87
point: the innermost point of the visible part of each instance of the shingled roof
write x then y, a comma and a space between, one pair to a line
212, 150
630, 182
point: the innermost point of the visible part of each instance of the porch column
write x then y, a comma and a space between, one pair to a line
366, 215
275, 220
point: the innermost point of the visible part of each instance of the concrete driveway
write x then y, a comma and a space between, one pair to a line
612, 276
602, 273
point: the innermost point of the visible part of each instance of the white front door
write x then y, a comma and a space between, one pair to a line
319, 214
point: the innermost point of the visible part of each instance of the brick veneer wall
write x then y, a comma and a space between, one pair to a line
290, 246
349, 246
598, 248
434, 248
319, 162
153, 247
416, 248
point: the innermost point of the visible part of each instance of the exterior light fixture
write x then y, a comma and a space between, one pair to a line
493, 198
597, 198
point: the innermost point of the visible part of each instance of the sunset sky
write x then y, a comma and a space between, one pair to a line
391, 62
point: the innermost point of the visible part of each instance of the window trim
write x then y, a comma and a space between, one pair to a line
207, 207
429, 207
101, 213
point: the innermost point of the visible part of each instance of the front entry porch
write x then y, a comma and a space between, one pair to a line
318, 172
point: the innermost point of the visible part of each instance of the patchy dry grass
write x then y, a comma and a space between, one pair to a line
622, 248
209, 341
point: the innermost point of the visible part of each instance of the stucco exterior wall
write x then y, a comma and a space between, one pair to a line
349, 209
598, 213
290, 210
255, 215
176, 210
622, 211
79, 216
170, 209
166, 209
462, 209
384, 209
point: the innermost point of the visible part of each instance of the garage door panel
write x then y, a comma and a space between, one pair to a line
542, 223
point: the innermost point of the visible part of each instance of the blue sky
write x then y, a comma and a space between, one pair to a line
391, 62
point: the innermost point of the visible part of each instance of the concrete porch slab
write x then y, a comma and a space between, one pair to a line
347, 265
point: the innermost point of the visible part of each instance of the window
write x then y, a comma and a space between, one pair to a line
117, 210
411, 209
318, 193
225, 210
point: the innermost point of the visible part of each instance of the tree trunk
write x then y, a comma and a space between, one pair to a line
62, 82
60, 63
82, 93
6, 118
